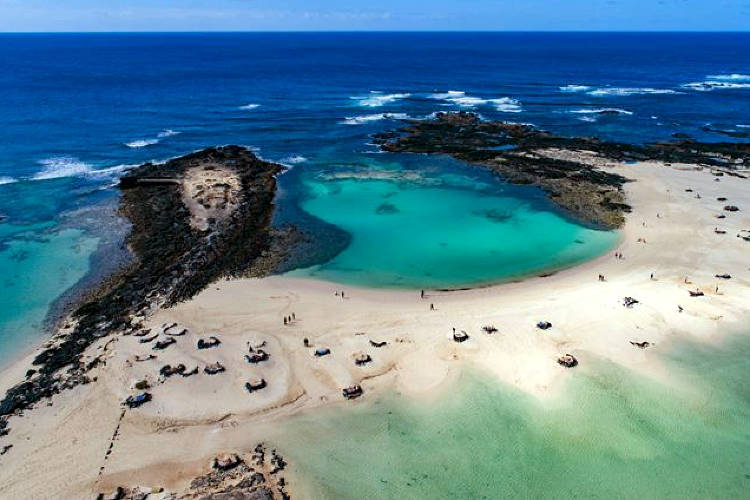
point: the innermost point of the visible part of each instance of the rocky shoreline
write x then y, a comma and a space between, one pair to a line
186, 233
565, 168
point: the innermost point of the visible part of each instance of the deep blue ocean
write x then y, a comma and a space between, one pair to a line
77, 109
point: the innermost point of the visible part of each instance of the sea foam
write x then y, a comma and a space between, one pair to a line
293, 160
574, 88
68, 166
601, 111
626, 91
377, 98
141, 143
359, 120
248, 107
61, 166
7, 180
461, 99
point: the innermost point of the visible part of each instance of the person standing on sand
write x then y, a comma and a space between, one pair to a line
422, 294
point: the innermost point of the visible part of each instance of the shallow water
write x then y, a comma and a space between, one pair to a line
442, 226
40, 262
615, 434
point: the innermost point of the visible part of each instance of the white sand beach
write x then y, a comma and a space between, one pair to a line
59, 449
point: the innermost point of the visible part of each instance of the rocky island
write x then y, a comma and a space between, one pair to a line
567, 169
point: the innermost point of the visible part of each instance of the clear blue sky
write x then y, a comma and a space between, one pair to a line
199, 15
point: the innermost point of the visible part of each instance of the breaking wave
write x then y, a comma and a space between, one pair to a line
359, 120
626, 91
68, 166
61, 166
293, 160
248, 107
459, 98
733, 76
602, 111
141, 143
376, 98
7, 180
575, 88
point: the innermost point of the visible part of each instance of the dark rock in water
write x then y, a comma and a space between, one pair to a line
563, 167
495, 215
387, 208
172, 259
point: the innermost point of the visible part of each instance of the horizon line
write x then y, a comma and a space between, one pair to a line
124, 32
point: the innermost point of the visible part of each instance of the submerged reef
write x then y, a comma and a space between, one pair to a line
567, 169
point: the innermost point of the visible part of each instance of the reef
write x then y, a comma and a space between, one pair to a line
194, 220
567, 169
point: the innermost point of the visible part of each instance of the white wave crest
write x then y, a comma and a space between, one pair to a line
707, 86
68, 166
459, 98
167, 133
142, 143
626, 91
733, 76
574, 88
602, 111
293, 160
7, 180
62, 166
507, 105
743, 126
359, 120
248, 107
376, 98
587, 118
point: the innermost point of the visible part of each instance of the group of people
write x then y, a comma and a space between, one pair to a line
289, 319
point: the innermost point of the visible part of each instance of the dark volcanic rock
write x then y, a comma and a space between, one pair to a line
523, 154
172, 260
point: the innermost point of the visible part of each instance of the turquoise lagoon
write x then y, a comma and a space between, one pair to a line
443, 225
612, 434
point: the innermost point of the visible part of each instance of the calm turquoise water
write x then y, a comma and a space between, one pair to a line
613, 435
40, 263
442, 226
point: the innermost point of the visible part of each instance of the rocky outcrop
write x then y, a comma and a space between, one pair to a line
565, 168
256, 476
173, 259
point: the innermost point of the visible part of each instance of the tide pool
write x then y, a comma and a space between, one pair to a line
442, 228
613, 434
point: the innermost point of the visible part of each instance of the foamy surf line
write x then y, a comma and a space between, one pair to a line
601, 111
734, 81
377, 98
142, 143
461, 99
359, 120
66, 166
